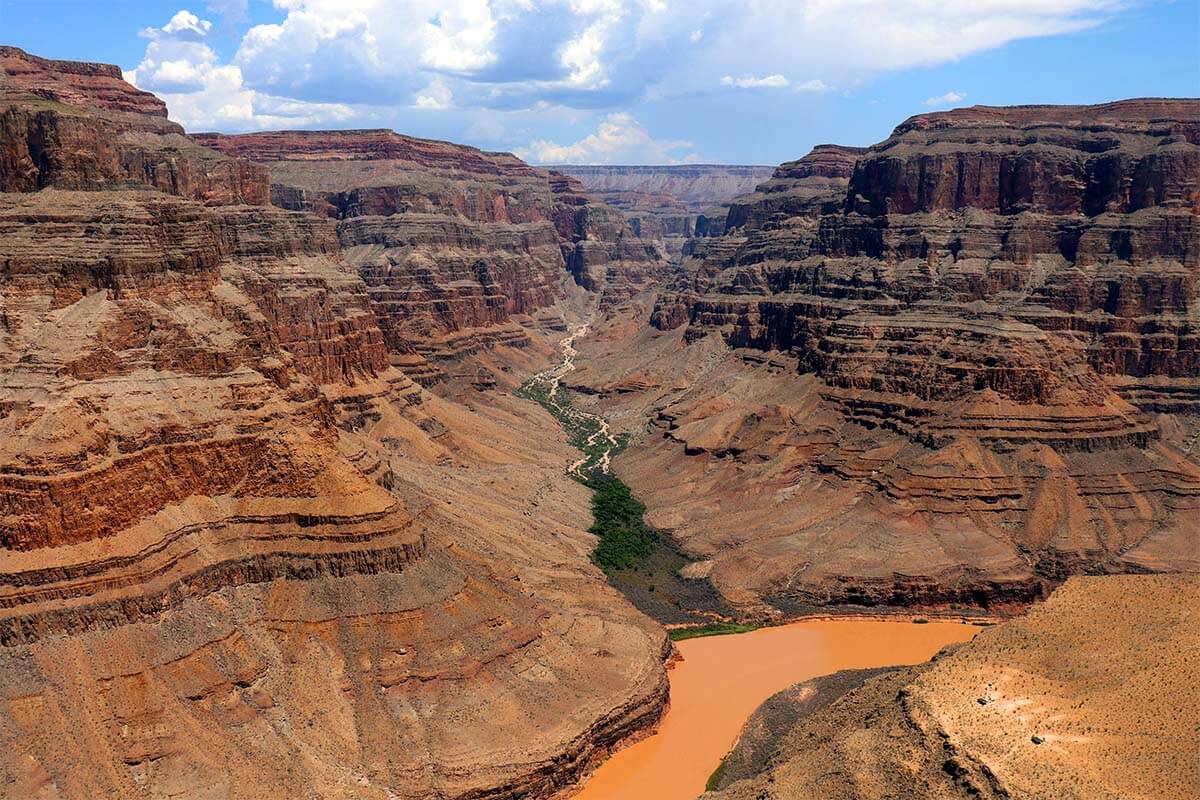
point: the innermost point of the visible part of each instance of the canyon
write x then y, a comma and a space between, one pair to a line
245, 551
276, 516
951, 368
670, 205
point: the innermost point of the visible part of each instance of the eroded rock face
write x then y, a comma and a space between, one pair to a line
980, 373
75, 125
453, 243
1041, 706
809, 186
241, 554
1118, 157
671, 204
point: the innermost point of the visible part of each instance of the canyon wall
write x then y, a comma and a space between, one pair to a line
241, 553
454, 244
670, 205
952, 367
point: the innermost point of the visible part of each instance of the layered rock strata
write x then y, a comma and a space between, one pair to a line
240, 553
77, 125
456, 245
980, 370
670, 205
1042, 706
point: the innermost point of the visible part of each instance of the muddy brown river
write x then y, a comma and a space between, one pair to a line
723, 679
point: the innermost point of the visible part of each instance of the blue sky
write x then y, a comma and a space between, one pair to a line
619, 81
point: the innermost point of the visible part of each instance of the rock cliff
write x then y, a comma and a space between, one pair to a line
951, 367
670, 205
241, 554
453, 243
81, 126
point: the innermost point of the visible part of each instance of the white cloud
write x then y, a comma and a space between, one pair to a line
384, 55
947, 99
184, 25
201, 94
435, 96
750, 82
619, 139
583, 56
459, 37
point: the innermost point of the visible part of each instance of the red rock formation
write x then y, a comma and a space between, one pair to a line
994, 321
453, 242
1118, 157
239, 551
81, 126
100, 87
809, 186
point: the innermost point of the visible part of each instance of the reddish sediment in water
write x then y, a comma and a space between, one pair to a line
721, 680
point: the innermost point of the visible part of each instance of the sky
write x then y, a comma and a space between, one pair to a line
618, 81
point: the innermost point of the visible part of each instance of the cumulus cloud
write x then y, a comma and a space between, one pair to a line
598, 55
750, 82
619, 139
592, 53
947, 99
181, 67
435, 96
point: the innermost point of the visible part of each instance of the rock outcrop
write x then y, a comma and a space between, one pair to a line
75, 125
670, 205
455, 244
965, 364
1041, 706
241, 554
807, 187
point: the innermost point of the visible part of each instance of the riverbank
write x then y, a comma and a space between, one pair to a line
717, 682
646, 565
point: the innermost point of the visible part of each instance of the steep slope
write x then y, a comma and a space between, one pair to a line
76, 125
970, 372
454, 244
1042, 706
240, 554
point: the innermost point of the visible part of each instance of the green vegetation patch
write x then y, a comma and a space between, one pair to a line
716, 629
579, 427
624, 536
